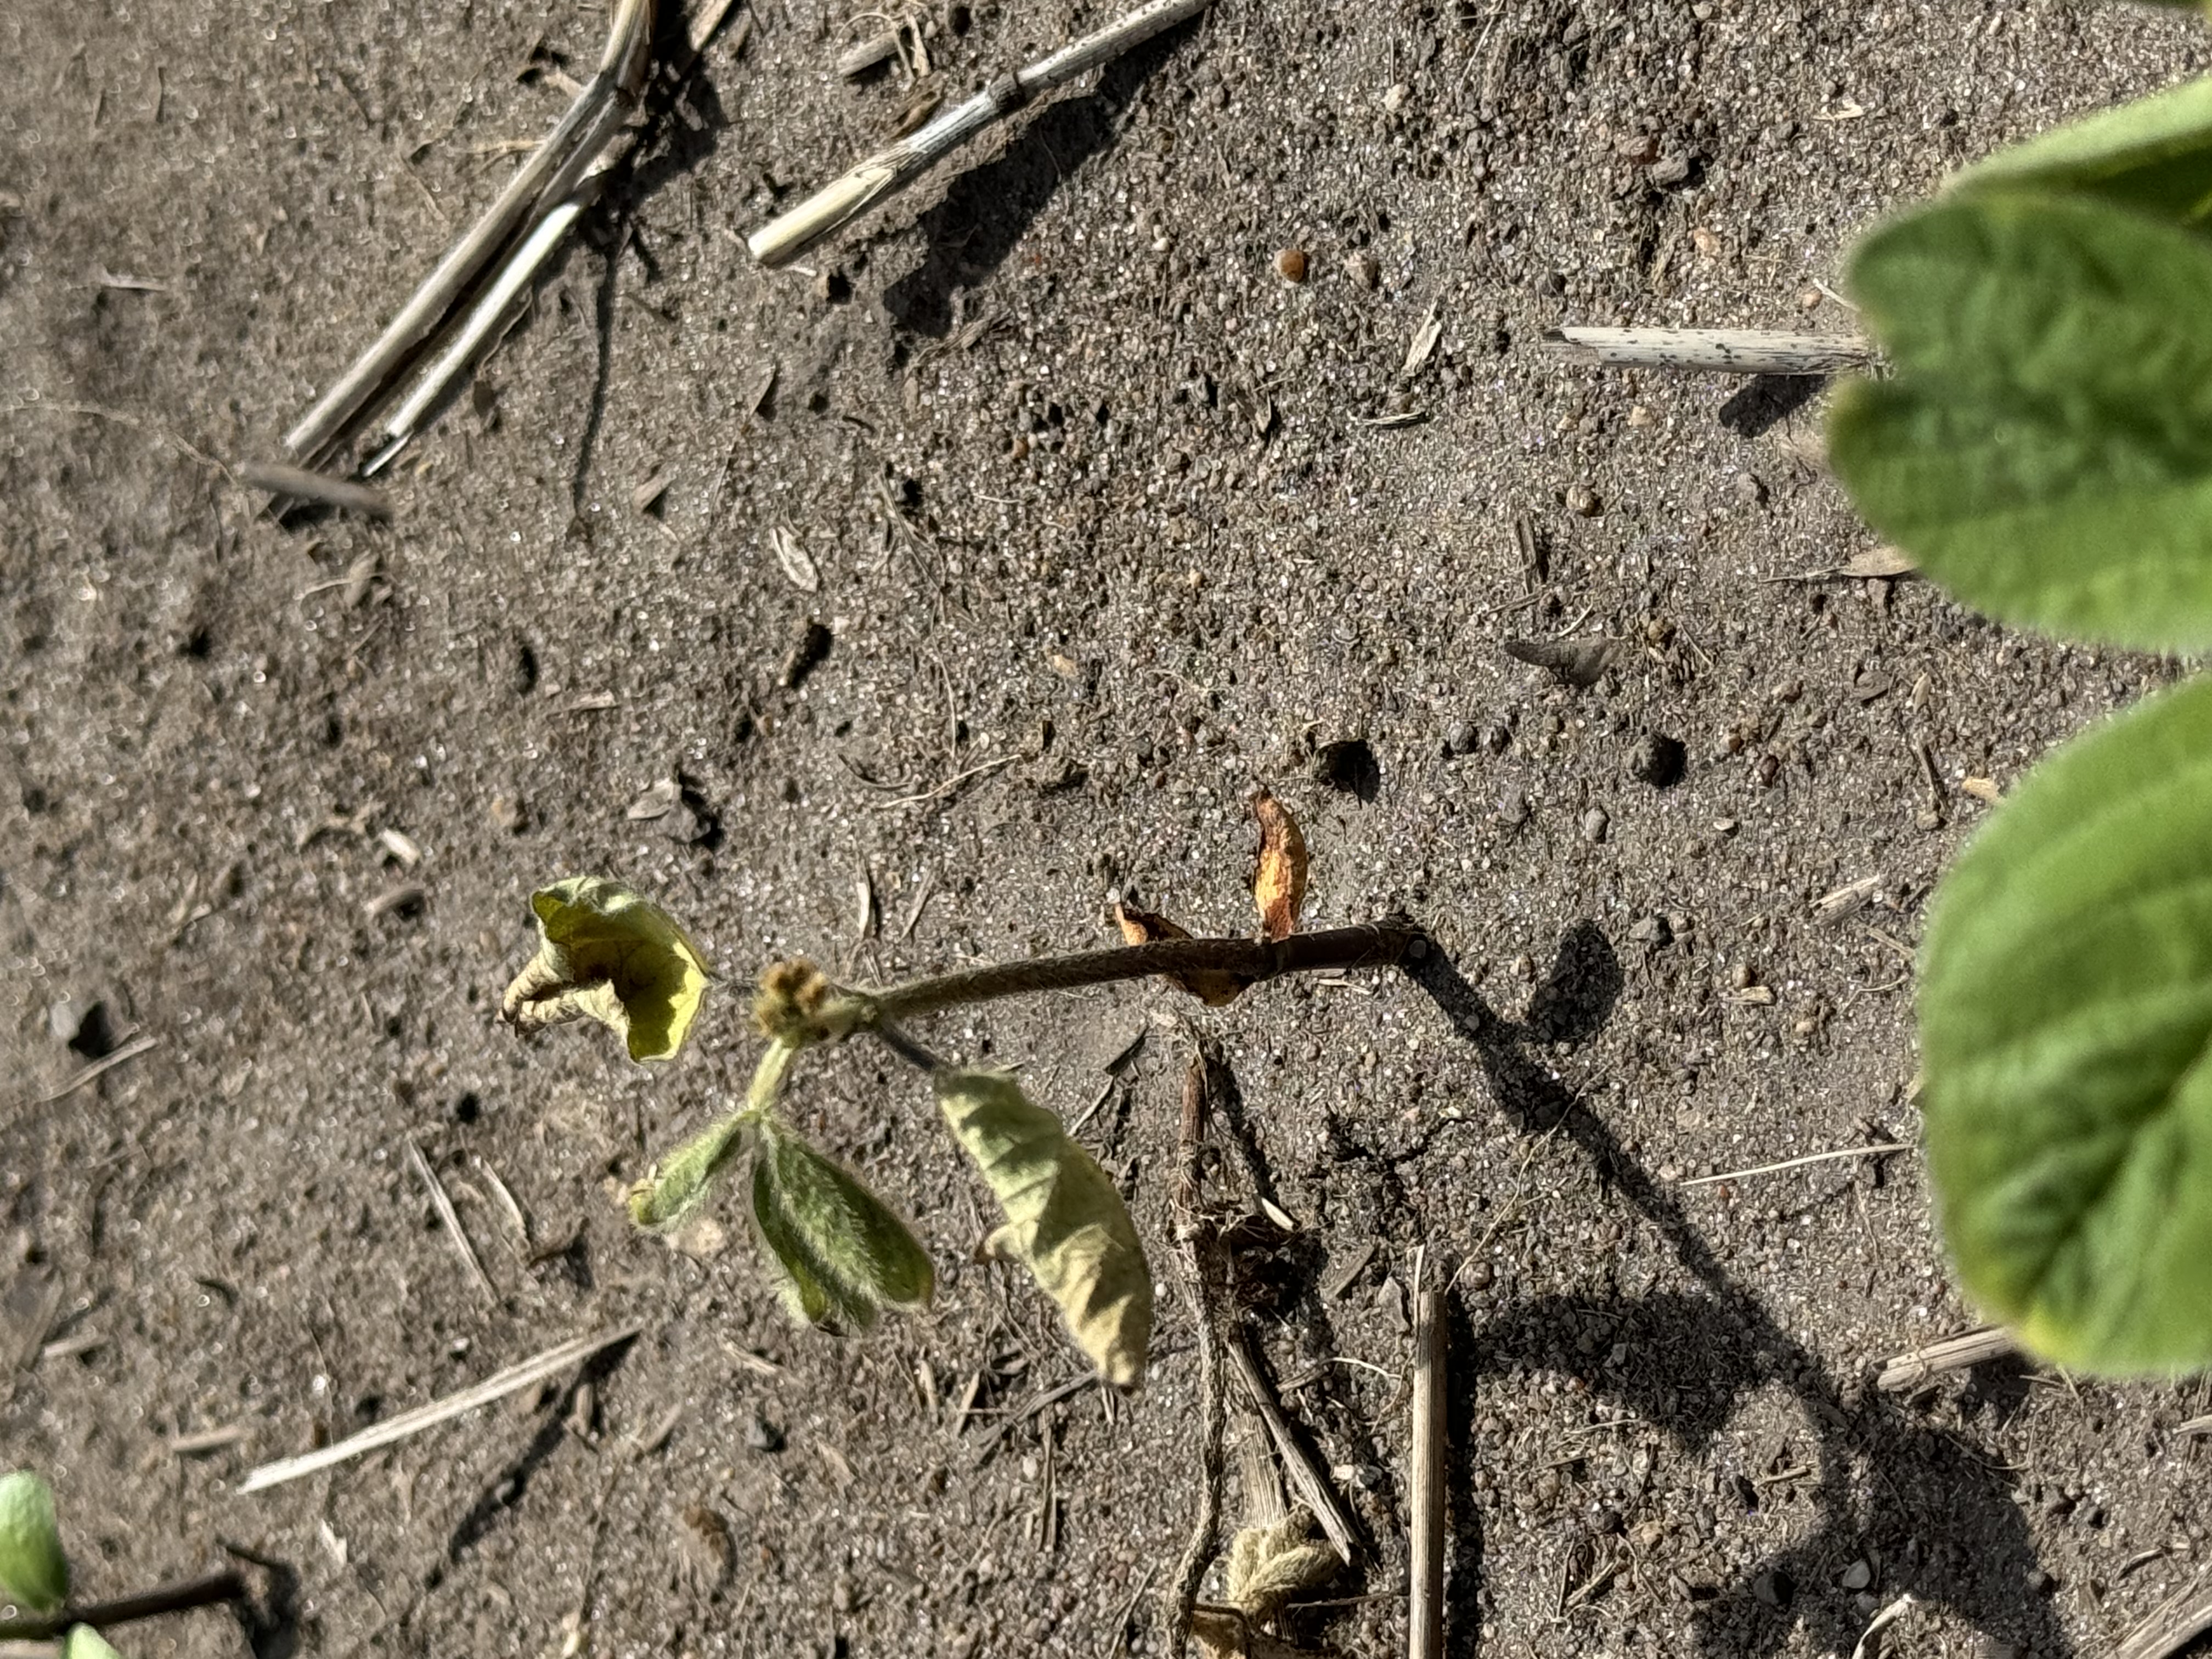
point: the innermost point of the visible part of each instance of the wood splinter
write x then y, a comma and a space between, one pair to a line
1715, 350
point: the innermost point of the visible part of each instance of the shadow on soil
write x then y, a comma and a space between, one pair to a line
988, 210
1920, 1502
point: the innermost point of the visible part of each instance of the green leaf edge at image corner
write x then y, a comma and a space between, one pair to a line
86, 1643
33, 1569
2049, 464
2154, 154
2065, 1006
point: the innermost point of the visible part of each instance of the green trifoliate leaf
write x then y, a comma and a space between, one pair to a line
2155, 154
686, 1179
2066, 1041
606, 954
86, 1643
1065, 1221
2045, 449
842, 1251
33, 1570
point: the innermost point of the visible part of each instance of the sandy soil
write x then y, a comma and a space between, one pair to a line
1106, 539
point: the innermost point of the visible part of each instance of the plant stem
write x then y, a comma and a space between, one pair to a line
212, 1590
1372, 945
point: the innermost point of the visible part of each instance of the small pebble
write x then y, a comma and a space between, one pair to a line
1640, 417
1394, 99
1363, 269
1750, 487
1291, 264
1594, 823
1513, 808
1581, 501
1640, 147
1857, 1576
1460, 738
1651, 930
1671, 170
763, 1435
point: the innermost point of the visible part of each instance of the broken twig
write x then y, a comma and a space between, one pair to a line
1424, 1617
408, 1424
886, 172
1954, 1353
1715, 350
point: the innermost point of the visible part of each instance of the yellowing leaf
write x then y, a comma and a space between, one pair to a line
33, 1571
1065, 1221
608, 955
1143, 927
840, 1250
1279, 888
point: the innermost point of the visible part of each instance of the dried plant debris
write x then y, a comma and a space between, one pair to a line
1065, 1220
1580, 662
1278, 888
1139, 926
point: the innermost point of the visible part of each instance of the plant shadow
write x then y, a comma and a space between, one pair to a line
1920, 1501
987, 209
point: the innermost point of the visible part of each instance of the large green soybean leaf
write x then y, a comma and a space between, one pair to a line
841, 1250
1065, 1221
33, 1571
2154, 154
2066, 1041
2046, 448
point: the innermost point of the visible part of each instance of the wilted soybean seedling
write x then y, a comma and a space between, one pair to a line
34, 1580
838, 1251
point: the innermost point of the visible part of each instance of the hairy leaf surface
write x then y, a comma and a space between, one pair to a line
842, 1251
1065, 1220
2046, 448
2066, 1037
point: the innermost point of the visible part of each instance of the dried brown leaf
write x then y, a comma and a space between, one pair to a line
1143, 927
1280, 887
1879, 561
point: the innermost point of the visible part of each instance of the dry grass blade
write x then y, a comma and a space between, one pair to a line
409, 1424
300, 484
551, 174
1875, 1151
1954, 1353
2180, 1620
1306, 1476
100, 1068
450, 1221
884, 174
1424, 1617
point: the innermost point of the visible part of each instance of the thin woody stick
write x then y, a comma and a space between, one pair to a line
1425, 1614
395, 1429
890, 171
499, 303
602, 107
1373, 944
1715, 350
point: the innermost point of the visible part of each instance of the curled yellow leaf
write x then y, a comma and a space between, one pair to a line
1065, 1221
605, 954
1278, 888
1143, 927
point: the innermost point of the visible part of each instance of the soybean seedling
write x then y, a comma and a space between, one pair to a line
34, 1580
838, 1253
